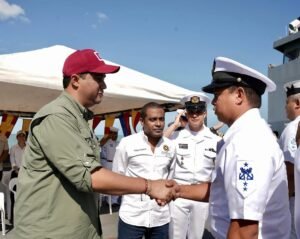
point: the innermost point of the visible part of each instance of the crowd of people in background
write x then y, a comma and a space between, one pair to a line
186, 181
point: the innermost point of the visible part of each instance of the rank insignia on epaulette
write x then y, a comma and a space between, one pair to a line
166, 147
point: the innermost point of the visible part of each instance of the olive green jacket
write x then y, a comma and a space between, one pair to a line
54, 194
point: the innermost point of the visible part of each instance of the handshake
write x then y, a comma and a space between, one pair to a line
163, 191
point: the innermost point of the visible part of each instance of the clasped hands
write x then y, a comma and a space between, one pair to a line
163, 191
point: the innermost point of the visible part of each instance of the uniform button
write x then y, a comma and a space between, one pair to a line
87, 163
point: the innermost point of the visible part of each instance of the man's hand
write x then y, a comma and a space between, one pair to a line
162, 190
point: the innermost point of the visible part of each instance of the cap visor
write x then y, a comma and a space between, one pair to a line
106, 69
213, 86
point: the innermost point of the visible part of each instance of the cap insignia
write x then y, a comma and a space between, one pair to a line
195, 99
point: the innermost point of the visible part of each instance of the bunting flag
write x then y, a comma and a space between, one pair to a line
96, 121
135, 118
124, 120
8, 123
109, 122
26, 124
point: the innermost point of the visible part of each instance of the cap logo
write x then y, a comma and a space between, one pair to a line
239, 79
98, 57
195, 99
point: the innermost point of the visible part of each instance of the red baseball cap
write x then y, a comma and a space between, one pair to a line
87, 60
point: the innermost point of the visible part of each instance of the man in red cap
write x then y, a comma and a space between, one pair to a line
61, 170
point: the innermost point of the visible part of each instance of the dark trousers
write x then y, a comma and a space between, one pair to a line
127, 231
14, 174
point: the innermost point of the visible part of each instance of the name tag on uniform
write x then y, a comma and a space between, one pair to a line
183, 146
136, 150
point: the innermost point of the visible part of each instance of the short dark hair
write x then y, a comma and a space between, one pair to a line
253, 98
67, 79
148, 106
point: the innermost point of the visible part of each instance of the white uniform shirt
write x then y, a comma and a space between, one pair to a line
3, 146
196, 153
287, 140
297, 192
134, 158
16, 154
249, 181
108, 150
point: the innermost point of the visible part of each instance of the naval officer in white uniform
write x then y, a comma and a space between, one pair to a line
196, 152
108, 150
287, 140
249, 193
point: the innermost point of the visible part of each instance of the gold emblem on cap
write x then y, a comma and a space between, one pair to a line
239, 79
166, 147
195, 99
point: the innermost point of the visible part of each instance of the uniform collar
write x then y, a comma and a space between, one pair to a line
86, 113
187, 132
245, 120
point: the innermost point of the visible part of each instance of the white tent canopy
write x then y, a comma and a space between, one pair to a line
29, 80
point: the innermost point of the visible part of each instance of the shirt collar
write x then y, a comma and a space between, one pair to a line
86, 113
245, 119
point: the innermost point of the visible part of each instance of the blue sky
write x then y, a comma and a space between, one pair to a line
173, 40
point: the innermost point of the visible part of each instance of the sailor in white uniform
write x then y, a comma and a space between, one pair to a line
249, 192
287, 140
107, 154
196, 152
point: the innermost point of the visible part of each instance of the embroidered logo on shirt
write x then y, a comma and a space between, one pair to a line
166, 148
246, 178
183, 146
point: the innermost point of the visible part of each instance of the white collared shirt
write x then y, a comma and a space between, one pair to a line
196, 153
16, 154
108, 150
297, 192
287, 140
134, 158
249, 181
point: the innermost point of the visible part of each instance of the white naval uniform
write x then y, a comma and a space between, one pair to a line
249, 180
196, 152
107, 156
288, 145
16, 154
297, 192
135, 158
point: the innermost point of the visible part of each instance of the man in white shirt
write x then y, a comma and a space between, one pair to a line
196, 152
3, 151
149, 155
108, 149
287, 140
248, 194
17, 151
